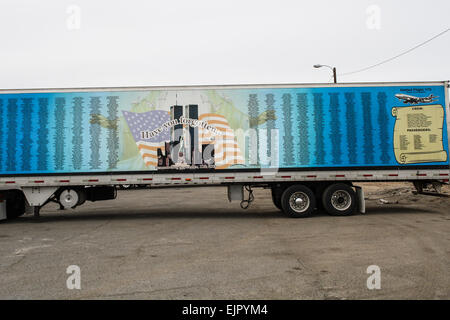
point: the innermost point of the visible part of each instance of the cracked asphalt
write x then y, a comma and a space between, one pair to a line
193, 244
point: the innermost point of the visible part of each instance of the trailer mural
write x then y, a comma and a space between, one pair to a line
222, 129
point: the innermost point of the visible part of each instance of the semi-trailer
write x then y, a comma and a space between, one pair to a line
308, 143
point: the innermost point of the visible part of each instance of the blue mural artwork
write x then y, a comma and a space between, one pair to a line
295, 127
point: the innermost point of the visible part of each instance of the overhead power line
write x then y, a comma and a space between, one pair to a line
397, 56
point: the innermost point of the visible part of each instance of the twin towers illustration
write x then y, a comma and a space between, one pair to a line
186, 146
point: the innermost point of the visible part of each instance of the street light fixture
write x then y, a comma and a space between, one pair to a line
332, 68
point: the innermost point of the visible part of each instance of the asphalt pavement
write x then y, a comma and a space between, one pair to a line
193, 244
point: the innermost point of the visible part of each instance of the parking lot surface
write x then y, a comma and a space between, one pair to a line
193, 244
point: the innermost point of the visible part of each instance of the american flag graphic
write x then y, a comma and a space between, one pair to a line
148, 121
226, 149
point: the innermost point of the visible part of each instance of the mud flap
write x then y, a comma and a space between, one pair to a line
235, 193
2, 210
360, 199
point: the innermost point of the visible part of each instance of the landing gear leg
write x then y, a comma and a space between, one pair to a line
36, 212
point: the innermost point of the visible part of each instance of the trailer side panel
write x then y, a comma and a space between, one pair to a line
239, 129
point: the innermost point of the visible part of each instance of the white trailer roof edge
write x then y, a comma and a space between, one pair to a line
224, 87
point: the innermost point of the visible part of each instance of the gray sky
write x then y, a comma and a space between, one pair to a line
103, 43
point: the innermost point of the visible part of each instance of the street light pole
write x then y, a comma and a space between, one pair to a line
332, 68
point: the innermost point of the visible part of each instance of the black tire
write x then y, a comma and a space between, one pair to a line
305, 205
15, 205
276, 197
339, 200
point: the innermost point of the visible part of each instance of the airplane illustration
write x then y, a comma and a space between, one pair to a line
415, 100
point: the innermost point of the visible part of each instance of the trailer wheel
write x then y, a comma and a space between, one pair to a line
70, 198
15, 205
276, 197
298, 201
339, 200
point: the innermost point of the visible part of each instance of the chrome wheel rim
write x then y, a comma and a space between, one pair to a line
341, 200
299, 201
